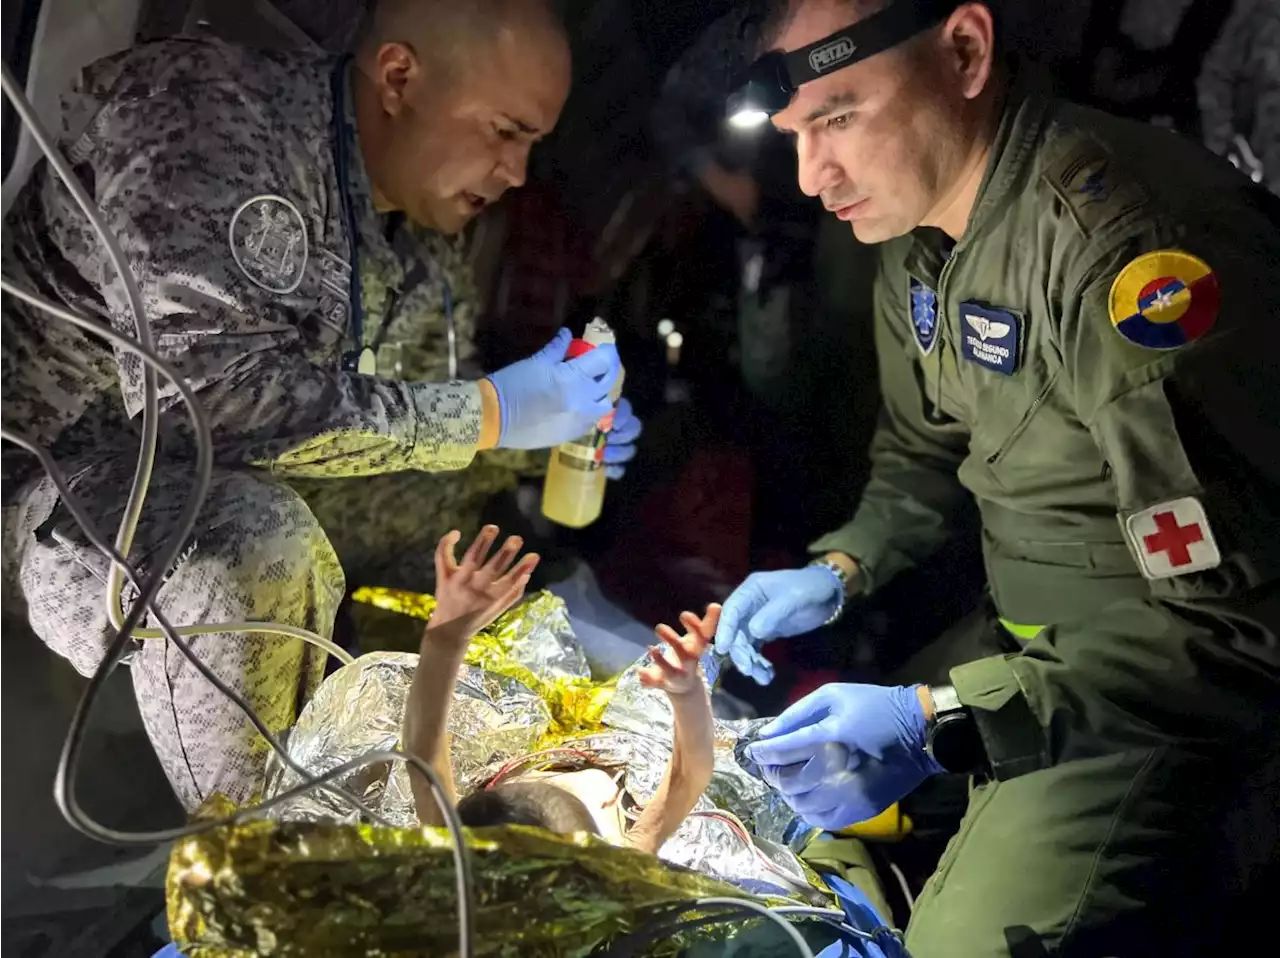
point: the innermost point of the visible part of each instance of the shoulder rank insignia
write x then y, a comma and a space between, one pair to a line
1095, 189
1164, 299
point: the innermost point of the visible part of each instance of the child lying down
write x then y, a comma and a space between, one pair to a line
470, 595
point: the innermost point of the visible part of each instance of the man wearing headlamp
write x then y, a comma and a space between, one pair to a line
1076, 326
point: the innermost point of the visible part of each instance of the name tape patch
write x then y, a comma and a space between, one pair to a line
990, 337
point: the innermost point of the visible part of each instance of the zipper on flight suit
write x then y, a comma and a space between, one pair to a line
941, 299
1036, 403
1018, 430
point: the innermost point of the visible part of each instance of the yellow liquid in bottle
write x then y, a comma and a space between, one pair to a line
573, 491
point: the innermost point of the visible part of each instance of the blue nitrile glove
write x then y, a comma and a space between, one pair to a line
545, 400
620, 444
845, 753
774, 605
860, 914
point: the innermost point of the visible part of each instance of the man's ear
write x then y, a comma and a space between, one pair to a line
396, 67
969, 41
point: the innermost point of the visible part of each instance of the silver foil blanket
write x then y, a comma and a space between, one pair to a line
495, 719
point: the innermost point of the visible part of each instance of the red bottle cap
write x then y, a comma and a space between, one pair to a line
577, 347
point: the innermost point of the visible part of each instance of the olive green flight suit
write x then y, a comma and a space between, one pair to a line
1137, 705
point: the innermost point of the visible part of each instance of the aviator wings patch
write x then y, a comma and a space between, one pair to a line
987, 328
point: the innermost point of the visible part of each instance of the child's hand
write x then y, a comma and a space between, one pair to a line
470, 595
676, 671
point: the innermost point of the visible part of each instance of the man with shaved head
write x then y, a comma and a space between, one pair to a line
1076, 331
449, 98
280, 213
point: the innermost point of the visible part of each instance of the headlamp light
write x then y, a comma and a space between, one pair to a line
771, 83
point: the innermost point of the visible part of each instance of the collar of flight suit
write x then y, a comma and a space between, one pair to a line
1022, 121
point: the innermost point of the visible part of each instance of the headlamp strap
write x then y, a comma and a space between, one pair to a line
899, 21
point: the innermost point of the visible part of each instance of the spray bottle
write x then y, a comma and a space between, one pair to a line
573, 492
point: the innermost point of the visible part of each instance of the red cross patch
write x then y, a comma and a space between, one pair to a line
1172, 538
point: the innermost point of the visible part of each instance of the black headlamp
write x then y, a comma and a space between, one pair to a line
771, 83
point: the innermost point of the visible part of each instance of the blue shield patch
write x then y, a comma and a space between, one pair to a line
990, 337
924, 315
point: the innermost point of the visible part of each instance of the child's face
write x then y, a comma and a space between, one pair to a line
598, 791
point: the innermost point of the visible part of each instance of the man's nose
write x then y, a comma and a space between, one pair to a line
513, 167
816, 167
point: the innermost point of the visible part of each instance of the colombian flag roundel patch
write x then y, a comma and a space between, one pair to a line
1164, 300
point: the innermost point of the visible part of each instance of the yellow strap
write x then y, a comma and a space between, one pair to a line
891, 825
1024, 633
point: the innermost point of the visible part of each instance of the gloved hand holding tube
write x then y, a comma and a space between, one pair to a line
846, 752
546, 400
774, 605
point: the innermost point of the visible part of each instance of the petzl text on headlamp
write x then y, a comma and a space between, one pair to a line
772, 81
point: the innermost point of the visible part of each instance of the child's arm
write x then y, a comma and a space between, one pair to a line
693, 751
468, 598
426, 718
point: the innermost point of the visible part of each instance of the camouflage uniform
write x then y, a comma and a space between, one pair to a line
1152, 24
1239, 89
385, 527
216, 167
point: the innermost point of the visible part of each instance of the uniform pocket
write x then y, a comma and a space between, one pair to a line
1022, 425
1002, 408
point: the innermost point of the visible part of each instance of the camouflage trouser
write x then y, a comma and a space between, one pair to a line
258, 553
1238, 90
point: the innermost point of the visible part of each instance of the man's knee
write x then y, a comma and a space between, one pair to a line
256, 551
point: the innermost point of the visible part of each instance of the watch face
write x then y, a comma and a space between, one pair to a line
956, 745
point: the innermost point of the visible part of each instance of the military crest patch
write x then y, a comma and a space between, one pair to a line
268, 238
924, 315
1164, 300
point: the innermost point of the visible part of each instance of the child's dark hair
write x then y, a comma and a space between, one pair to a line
539, 804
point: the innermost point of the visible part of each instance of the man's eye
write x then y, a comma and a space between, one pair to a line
839, 122
505, 132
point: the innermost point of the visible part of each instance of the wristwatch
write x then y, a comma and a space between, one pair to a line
952, 739
838, 571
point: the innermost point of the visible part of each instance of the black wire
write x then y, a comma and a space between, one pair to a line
64, 792
658, 929
663, 927
100, 543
